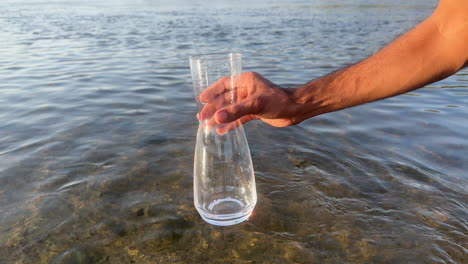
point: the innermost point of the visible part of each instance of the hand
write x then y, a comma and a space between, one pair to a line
256, 98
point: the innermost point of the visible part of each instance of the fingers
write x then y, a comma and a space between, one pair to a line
210, 124
235, 111
233, 125
229, 116
214, 105
218, 88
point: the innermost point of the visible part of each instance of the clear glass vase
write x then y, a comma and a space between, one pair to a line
224, 181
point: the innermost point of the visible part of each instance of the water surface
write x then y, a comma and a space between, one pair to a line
97, 132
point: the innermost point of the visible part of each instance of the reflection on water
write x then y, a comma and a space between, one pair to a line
98, 126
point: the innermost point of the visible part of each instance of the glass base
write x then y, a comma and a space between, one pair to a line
226, 212
226, 222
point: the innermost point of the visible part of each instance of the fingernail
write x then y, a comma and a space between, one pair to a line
221, 117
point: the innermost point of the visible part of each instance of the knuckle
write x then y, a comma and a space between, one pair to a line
250, 75
225, 81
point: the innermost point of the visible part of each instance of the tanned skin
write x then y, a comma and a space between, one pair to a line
433, 50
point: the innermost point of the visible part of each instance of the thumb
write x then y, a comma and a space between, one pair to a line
236, 111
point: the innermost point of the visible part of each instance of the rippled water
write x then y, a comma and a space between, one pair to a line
97, 131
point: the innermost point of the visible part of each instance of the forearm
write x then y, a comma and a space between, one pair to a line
421, 56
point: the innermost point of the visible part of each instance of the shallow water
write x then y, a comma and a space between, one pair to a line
97, 132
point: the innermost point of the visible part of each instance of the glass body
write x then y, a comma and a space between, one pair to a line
224, 181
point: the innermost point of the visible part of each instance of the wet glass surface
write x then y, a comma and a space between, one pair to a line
97, 133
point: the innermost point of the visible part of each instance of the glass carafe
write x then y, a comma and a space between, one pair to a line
224, 181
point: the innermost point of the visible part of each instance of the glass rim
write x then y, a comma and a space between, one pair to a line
215, 56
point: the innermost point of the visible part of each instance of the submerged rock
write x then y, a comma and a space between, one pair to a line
84, 255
